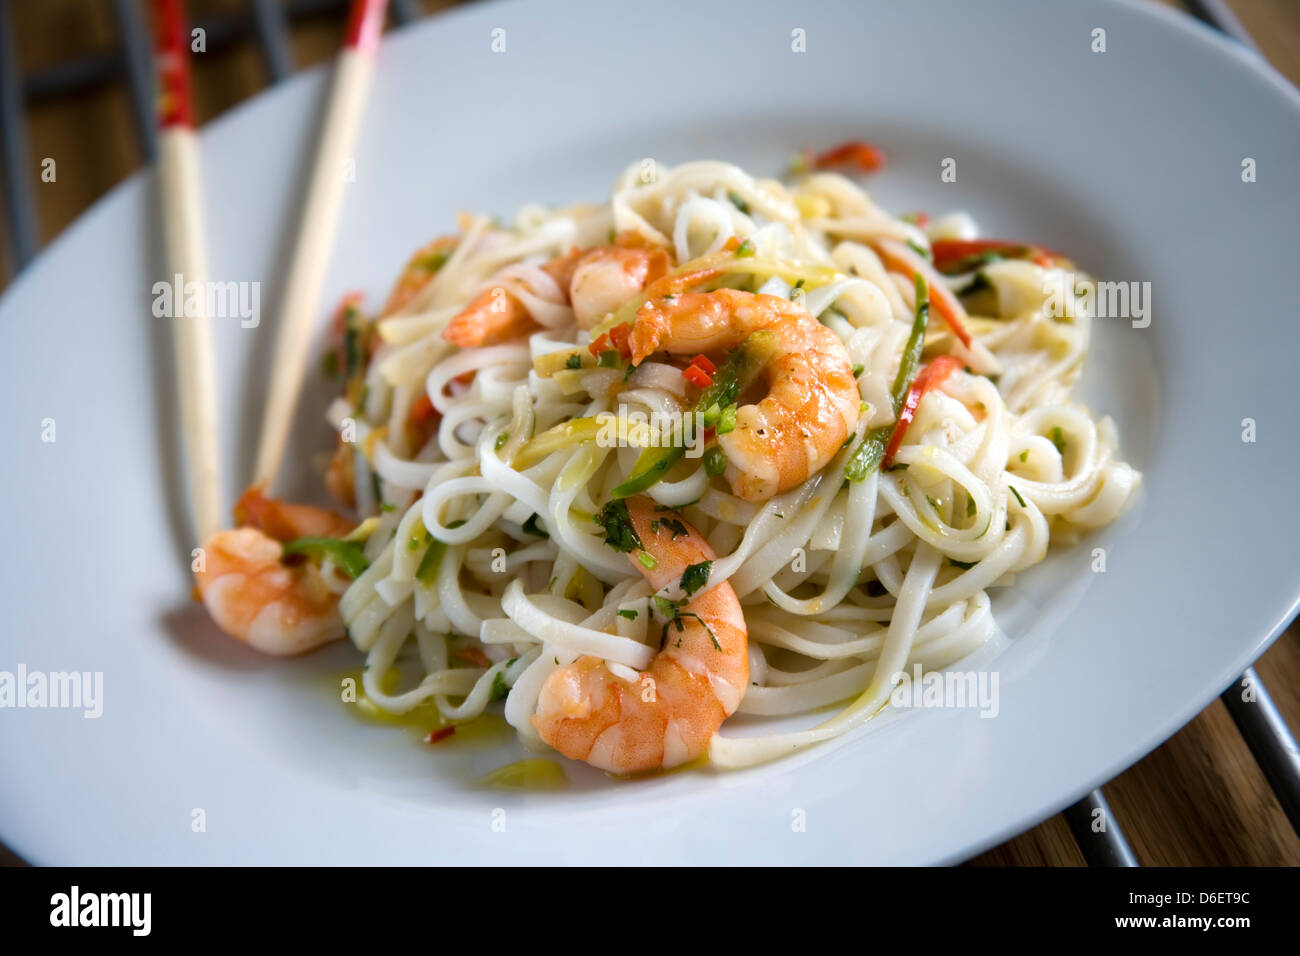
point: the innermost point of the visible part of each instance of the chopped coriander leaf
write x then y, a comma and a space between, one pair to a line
1058, 439
619, 531
715, 462
530, 526
626, 612
501, 441
745, 250
934, 504
675, 527
1018, 498
386, 506
897, 466
573, 361
858, 369
696, 576
630, 369
738, 203
1024, 455
970, 506
964, 565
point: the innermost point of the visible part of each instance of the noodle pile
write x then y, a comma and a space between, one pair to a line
487, 571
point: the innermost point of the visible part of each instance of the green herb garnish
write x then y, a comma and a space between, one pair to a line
619, 531
696, 576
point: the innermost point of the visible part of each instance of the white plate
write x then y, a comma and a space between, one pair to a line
1129, 159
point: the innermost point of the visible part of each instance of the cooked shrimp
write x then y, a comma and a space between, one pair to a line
812, 403
606, 277
668, 714
253, 595
493, 316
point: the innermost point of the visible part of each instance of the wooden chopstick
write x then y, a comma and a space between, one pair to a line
186, 256
315, 239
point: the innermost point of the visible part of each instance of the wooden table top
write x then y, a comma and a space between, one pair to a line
1199, 799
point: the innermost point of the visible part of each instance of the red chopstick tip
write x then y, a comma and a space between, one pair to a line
175, 103
365, 25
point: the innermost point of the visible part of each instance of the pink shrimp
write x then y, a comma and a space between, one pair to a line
812, 403
493, 316
667, 716
253, 595
606, 277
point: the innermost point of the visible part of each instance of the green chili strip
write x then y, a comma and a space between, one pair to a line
867, 457
650, 467
349, 555
737, 373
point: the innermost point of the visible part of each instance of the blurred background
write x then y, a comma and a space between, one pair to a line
76, 86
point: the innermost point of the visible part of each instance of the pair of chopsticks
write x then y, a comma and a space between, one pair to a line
186, 255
